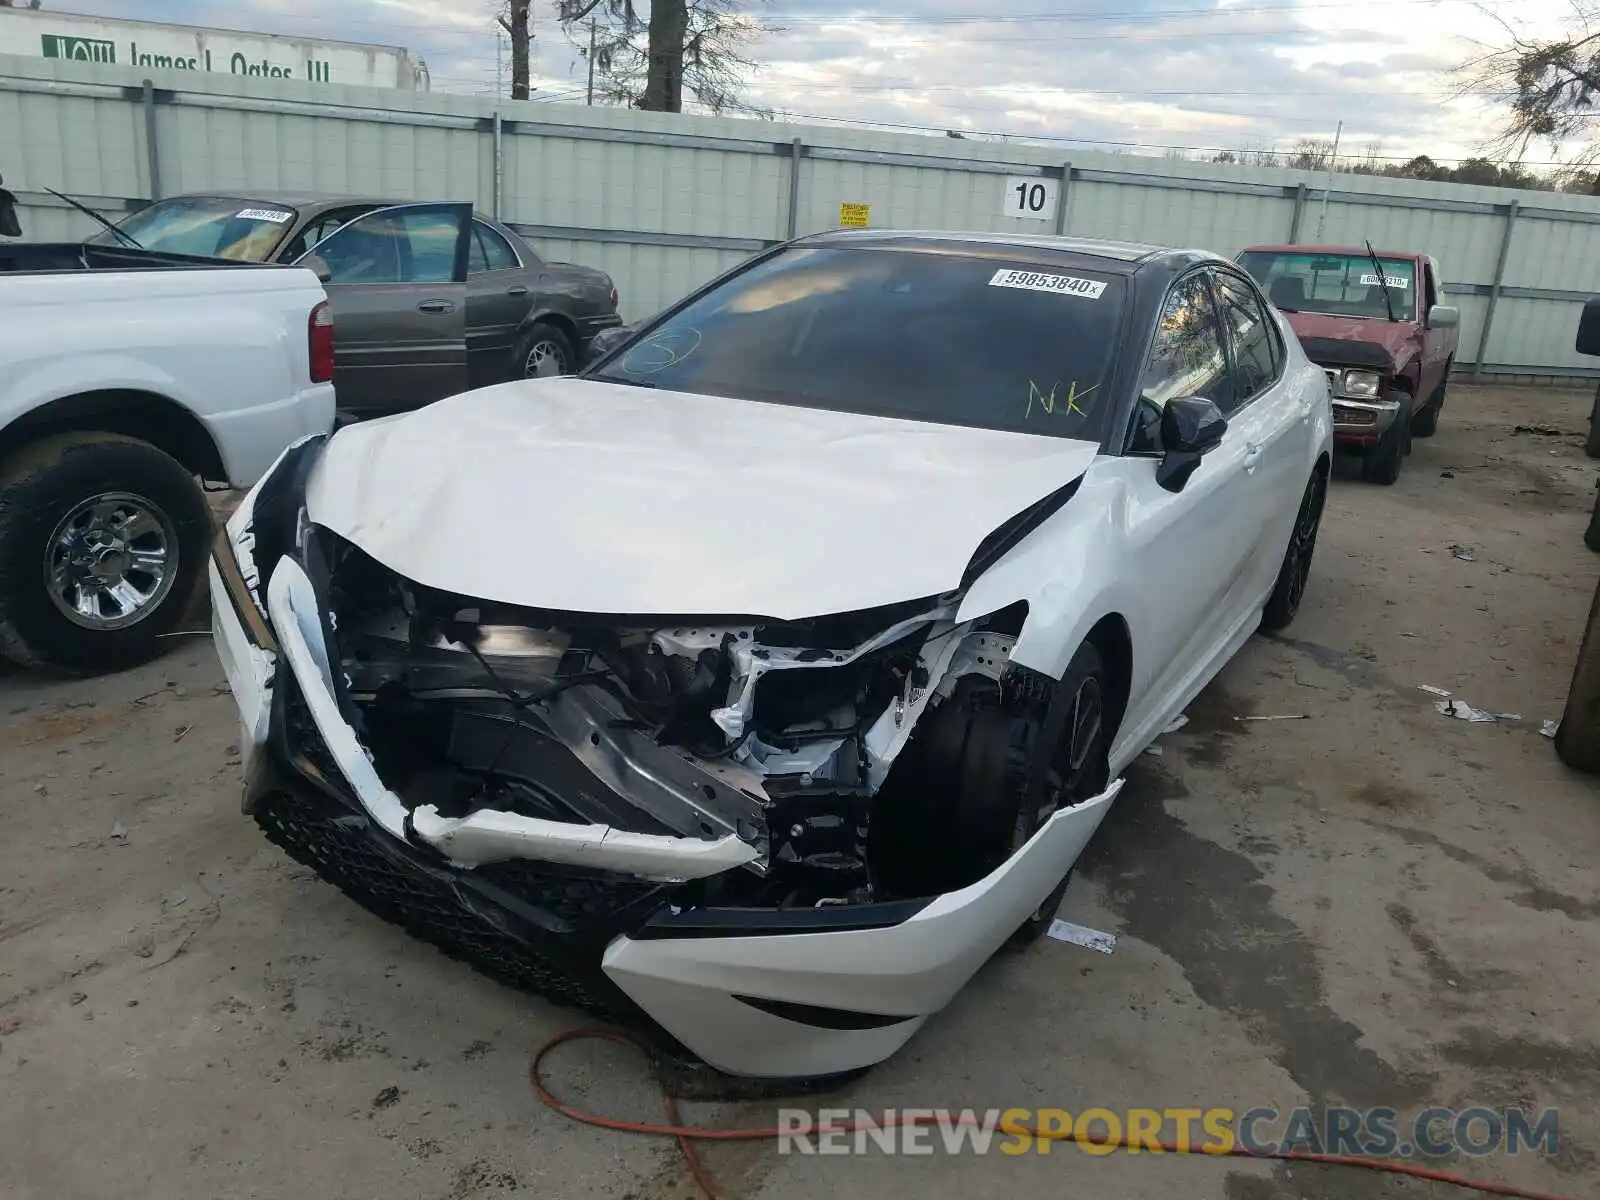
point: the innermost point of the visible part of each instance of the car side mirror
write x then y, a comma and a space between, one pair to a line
1589, 327
1443, 316
317, 265
607, 340
1191, 427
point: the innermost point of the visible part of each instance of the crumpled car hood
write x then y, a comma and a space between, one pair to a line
595, 497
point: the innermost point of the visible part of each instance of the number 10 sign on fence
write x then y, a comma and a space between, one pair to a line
1031, 197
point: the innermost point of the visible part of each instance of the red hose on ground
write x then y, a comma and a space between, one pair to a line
688, 1135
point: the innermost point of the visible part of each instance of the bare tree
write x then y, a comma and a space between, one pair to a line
1552, 86
682, 49
1311, 154
517, 21
1260, 156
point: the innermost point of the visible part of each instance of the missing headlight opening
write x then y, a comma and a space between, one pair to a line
862, 757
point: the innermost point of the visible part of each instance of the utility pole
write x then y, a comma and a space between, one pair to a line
1333, 162
499, 65
589, 95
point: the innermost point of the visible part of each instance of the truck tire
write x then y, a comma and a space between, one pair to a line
102, 539
1383, 461
1426, 423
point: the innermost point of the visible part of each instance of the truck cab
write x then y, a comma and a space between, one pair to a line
1372, 320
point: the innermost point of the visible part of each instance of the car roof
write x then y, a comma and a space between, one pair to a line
302, 201
1116, 257
1307, 248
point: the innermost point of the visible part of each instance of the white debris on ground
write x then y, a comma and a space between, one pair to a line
1082, 935
1462, 711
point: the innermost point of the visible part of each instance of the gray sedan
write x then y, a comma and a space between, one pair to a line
428, 299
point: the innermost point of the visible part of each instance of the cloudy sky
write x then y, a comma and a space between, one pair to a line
1142, 75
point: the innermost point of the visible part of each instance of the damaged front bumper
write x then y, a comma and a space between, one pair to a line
1362, 422
612, 919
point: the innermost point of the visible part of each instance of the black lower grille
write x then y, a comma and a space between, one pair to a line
461, 919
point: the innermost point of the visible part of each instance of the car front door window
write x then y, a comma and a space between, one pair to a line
1186, 359
400, 246
1250, 341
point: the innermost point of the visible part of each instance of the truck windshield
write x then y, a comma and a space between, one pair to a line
209, 226
1344, 285
902, 333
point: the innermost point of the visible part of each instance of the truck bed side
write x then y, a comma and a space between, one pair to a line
222, 346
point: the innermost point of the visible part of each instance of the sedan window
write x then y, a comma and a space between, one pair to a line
402, 246
316, 229
1250, 338
1186, 359
926, 336
490, 251
208, 226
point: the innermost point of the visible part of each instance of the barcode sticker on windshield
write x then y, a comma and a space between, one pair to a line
1037, 281
276, 215
1394, 281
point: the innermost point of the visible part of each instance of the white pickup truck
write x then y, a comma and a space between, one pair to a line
126, 378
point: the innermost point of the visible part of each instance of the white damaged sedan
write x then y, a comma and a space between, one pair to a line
764, 680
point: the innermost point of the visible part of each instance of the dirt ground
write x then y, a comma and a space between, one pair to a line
1377, 905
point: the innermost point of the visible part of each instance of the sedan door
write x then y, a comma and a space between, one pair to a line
500, 291
396, 280
1272, 415
1192, 550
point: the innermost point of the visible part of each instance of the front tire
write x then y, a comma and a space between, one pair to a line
1426, 423
1383, 461
1296, 569
1077, 770
102, 539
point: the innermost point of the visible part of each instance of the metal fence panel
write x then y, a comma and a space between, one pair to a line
664, 202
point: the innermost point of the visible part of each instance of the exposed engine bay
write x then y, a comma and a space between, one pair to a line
860, 757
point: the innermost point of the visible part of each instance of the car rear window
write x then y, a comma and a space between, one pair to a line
213, 227
926, 335
1345, 285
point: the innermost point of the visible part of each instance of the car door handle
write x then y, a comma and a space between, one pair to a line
439, 307
516, 289
1252, 457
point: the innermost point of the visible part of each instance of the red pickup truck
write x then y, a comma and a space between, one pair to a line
1372, 320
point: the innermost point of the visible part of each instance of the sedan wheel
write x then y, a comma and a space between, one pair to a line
1296, 570
544, 351
544, 359
1079, 772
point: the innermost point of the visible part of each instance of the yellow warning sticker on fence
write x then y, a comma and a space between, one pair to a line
854, 215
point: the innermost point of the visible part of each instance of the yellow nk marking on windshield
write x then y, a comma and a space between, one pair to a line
1049, 403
